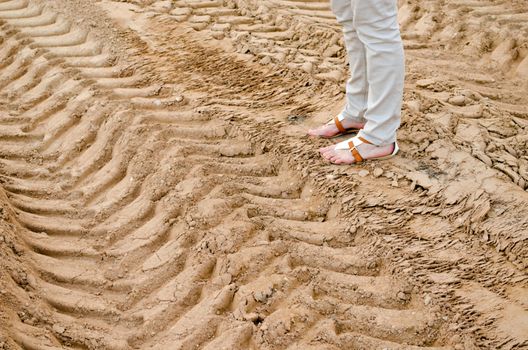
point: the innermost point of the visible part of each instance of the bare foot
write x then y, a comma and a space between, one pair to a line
367, 151
330, 130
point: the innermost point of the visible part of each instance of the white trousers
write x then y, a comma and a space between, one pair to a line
374, 91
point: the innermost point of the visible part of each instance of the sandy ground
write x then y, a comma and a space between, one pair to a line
158, 190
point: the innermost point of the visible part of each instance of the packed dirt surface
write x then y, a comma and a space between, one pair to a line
158, 189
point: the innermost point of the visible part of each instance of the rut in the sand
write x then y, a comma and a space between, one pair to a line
152, 227
471, 106
303, 35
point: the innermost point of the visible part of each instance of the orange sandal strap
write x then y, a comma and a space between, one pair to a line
354, 150
355, 153
352, 144
339, 125
364, 140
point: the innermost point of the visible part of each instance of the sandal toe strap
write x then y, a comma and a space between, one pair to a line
355, 152
352, 146
338, 124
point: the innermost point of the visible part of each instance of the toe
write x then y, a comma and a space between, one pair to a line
313, 132
336, 159
326, 149
327, 155
322, 131
344, 158
332, 156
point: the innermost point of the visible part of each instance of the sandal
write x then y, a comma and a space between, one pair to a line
358, 140
341, 128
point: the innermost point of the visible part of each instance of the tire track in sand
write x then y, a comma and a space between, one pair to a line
293, 34
152, 225
463, 132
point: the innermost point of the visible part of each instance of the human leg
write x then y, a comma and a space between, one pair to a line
377, 27
351, 117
